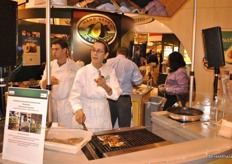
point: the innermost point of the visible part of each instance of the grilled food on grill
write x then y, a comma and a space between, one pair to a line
69, 141
112, 140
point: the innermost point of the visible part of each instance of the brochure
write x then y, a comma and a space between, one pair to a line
25, 125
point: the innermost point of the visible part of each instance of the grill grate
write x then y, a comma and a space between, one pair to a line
133, 138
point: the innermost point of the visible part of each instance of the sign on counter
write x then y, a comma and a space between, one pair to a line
25, 125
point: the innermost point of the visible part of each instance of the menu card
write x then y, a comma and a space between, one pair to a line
25, 125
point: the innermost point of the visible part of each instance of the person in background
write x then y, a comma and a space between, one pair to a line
93, 85
63, 71
153, 62
148, 54
143, 59
128, 74
177, 82
136, 57
153, 58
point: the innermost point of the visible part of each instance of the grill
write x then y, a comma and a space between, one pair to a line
135, 139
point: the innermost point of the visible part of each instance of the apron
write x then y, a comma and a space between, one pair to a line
61, 108
97, 114
62, 112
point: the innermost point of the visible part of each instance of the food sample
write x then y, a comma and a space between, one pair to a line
69, 141
112, 140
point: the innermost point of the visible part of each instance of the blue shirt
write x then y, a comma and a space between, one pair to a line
127, 73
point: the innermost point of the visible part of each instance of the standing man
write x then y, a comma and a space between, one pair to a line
136, 58
63, 71
128, 74
153, 58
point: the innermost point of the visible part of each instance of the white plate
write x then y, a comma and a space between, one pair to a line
63, 133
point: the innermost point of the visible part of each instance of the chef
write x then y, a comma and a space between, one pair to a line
93, 84
63, 71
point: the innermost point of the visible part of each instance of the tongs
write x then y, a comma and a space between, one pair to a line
84, 126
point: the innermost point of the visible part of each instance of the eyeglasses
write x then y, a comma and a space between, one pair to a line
98, 51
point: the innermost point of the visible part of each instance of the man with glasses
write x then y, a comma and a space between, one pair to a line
93, 85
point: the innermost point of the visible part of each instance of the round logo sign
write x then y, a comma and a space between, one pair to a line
96, 26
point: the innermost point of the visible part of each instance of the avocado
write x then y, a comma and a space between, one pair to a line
96, 30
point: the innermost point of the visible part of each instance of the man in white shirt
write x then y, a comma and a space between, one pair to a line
63, 71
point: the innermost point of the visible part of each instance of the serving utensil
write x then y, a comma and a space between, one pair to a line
84, 126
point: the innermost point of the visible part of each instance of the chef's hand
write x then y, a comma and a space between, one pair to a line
54, 80
101, 81
80, 116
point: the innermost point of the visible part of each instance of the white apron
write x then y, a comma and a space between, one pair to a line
61, 108
97, 113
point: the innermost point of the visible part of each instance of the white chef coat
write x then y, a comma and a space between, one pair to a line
59, 102
86, 95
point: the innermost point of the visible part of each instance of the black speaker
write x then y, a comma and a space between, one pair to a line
213, 45
8, 32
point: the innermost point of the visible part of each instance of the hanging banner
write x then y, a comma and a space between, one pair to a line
25, 125
89, 26
31, 48
227, 45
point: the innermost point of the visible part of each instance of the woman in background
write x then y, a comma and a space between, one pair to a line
177, 82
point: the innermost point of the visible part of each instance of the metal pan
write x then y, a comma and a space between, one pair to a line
185, 113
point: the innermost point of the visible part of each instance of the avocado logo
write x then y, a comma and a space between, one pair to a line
96, 26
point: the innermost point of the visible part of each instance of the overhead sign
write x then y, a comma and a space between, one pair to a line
96, 26
142, 19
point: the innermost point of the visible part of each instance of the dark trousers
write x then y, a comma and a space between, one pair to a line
121, 110
171, 100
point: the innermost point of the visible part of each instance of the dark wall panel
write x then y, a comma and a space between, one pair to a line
8, 32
